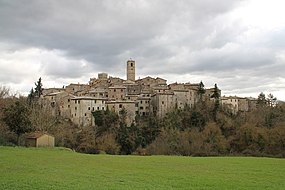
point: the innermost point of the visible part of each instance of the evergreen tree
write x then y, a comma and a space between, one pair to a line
272, 101
31, 96
261, 100
216, 96
201, 90
38, 90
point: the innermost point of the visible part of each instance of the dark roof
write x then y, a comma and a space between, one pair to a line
37, 134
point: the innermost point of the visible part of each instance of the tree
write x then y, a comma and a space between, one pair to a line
4, 92
17, 119
272, 101
201, 90
38, 90
31, 96
261, 100
197, 120
216, 96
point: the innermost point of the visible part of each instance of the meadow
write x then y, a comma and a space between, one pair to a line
58, 168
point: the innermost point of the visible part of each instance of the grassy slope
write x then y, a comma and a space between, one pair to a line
29, 168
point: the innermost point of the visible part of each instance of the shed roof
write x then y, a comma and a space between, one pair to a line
37, 134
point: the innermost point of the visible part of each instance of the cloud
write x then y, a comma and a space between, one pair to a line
231, 42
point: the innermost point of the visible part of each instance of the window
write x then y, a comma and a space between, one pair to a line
141, 108
114, 90
68, 100
93, 109
141, 102
68, 106
102, 108
95, 101
89, 108
162, 102
120, 105
98, 108
75, 115
121, 90
131, 64
85, 114
78, 101
75, 108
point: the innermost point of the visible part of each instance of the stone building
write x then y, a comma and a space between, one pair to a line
117, 92
82, 108
243, 104
162, 103
129, 107
231, 103
252, 103
143, 104
137, 97
131, 70
77, 88
59, 102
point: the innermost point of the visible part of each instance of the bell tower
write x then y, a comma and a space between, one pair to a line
131, 70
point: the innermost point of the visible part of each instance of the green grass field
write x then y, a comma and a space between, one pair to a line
31, 168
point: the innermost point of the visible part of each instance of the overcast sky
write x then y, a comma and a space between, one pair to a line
238, 44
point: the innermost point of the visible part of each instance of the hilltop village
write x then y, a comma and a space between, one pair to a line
137, 97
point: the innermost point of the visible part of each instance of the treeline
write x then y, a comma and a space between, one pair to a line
204, 130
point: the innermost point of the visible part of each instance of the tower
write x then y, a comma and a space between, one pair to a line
131, 70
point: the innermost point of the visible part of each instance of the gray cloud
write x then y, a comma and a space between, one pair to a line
166, 38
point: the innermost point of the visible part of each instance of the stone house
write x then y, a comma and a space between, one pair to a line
77, 88
82, 108
129, 106
252, 103
231, 103
143, 105
162, 103
243, 104
39, 139
59, 103
117, 92
98, 93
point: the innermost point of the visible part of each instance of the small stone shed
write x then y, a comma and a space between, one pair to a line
39, 139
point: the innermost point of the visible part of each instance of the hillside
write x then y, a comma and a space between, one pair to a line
31, 168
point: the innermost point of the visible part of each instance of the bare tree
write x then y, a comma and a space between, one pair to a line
4, 92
